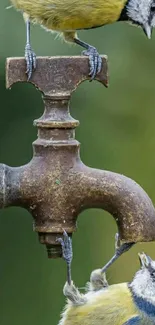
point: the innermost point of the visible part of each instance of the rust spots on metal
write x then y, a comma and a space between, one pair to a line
55, 75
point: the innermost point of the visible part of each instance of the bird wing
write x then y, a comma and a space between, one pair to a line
133, 321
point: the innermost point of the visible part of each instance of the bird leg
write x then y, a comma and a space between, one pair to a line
70, 291
30, 56
119, 250
95, 61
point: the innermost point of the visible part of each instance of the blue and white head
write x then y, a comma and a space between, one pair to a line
140, 13
143, 285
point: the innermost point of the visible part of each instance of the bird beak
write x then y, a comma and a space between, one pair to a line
147, 30
145, 260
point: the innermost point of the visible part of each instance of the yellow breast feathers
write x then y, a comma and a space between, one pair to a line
64, 15
110, 306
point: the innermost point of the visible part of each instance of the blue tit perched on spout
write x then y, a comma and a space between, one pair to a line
118, 304
69, 16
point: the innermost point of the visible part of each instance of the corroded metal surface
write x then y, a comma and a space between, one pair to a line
55, 186
55, 74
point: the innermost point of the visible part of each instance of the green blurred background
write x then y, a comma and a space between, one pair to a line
116, 132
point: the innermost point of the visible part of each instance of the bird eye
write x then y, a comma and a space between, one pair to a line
153, 277
152, 272
153, 7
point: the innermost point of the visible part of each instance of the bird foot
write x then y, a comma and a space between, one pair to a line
95, 61
120, 249
30, 58
66, 244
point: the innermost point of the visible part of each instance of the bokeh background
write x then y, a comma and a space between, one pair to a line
117, 133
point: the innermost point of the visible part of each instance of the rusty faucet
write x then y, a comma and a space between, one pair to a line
55, 186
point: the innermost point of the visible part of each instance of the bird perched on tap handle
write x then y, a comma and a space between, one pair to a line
68, 16
118, 304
